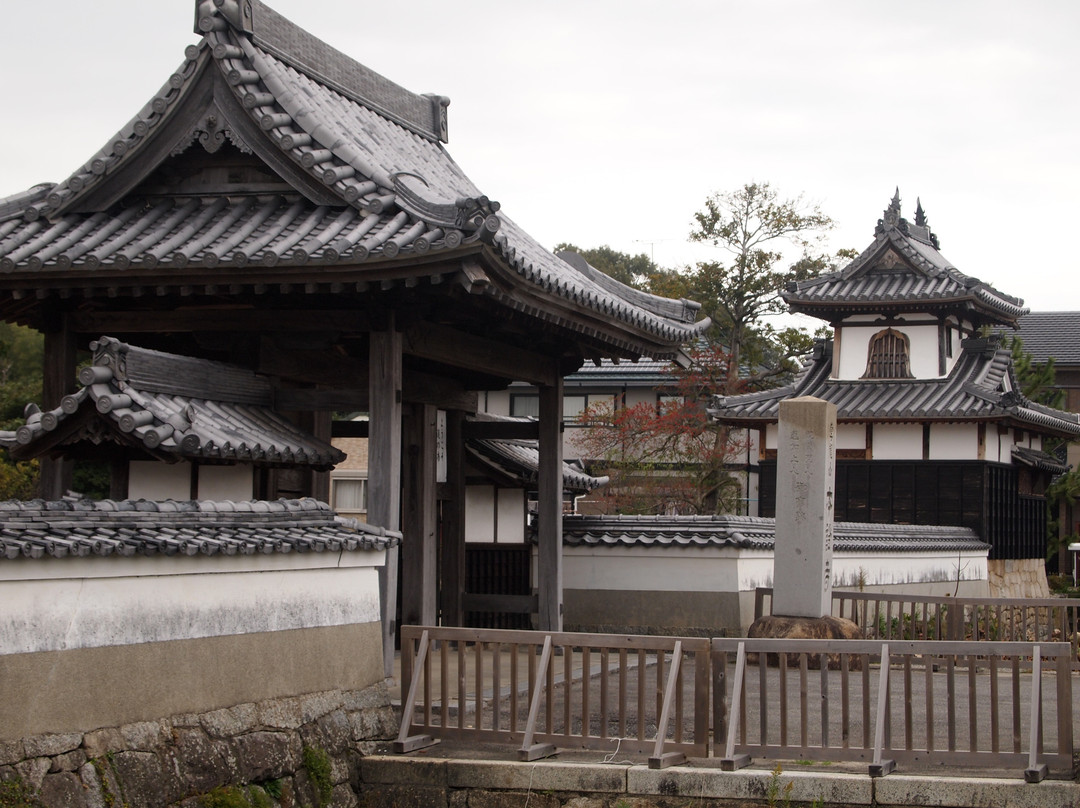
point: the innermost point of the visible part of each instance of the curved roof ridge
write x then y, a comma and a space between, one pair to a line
425, 114
875, 277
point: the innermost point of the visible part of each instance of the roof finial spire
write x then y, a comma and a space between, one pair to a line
892, 213
920, 214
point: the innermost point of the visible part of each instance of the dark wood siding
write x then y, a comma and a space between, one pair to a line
498, 569
982, 496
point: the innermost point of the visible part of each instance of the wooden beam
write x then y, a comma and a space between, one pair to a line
452, 578
418, 553
549, 508
501, 430
221, 319
58, 380
349, 429
495, 358
384, 468
331, 369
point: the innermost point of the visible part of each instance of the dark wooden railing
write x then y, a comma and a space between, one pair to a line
924, 617
973, 703
587, 691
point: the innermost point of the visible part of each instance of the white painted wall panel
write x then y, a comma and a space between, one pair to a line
897, 441
954, 441
67, 613
480, 513
851, 436
511, 515
225, 482
154, 480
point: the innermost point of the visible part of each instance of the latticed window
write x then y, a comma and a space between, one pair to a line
889, 358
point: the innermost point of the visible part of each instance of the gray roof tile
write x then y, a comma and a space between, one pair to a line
80, 527
754, 532
175, 408
975, 389
1052, 334
389, 188
902, 270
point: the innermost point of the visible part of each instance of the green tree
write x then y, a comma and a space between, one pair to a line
633, 270
1037, 380
751, 223
21, 352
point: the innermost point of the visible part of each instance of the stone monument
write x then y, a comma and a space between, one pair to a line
802, 571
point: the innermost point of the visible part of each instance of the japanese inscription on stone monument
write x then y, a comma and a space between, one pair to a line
805, 471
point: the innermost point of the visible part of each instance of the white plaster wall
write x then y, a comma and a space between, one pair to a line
855, 344
497, 402
511, 515
897, 441
665, 568
154, 480
635, 396
480, 513
851, 436
772, 433
59, 604
954, 441
893, 569
226, 482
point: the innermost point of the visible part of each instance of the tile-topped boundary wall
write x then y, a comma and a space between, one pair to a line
260, 747
198, 615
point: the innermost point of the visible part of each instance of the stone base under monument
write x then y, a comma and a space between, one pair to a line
806, 628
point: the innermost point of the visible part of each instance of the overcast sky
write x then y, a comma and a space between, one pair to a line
602, 122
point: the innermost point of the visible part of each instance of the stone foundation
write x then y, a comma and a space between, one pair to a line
280, 747
1017, 578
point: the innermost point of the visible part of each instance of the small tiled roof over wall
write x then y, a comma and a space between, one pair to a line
172, 408
753, 532
40, 529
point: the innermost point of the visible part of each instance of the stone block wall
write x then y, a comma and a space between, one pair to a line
1017, 578
269, 753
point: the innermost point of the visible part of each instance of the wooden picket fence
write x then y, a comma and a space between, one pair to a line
887, 616
988, 703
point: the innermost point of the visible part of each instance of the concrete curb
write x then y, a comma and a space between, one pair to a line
832, 788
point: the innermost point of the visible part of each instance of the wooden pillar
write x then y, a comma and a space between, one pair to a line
384, 467
418, 562
549, 508
453, 523
322, 421
58, 380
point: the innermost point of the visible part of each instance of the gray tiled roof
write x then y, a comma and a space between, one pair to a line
172, 407
980, 386
374, 184
38, 529
1044, 461
902, 270
520, 459
754, 532
1052, 334
644, 372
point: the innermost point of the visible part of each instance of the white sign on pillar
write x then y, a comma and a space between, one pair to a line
805, 474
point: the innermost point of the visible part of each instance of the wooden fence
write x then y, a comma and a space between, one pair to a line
975, 703
1002, 704
924, 617
587, 691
